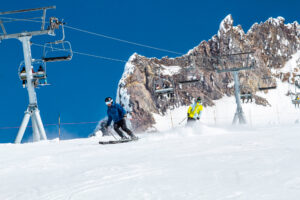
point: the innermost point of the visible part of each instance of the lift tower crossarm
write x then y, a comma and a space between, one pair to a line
234, 69
5, 35
235, 54
24, 34
27, 10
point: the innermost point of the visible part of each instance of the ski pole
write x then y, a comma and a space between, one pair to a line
112, 135
182, 120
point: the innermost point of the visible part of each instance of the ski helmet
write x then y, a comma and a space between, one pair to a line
199, 99
108, 100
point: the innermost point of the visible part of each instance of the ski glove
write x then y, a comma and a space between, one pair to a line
198, 118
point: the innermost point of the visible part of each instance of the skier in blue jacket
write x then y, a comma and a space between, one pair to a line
116, 113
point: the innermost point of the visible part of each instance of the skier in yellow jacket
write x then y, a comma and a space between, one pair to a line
195, 110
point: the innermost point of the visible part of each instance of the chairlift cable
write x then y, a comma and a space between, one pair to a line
121, 40
104, 36
18, 19
14, 20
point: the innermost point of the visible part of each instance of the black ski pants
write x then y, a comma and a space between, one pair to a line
190, 121
122, 124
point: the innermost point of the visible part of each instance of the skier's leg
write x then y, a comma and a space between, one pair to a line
124, 127
190, 121
104, 131
116, 128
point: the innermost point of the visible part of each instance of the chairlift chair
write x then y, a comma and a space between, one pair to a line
38, 72
297, 84
265, 79
246, 96
189, 81
296, 99
297, 81
246, 93
163, 86
193, 79
59, 50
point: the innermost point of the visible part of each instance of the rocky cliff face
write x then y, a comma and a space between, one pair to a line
194, 74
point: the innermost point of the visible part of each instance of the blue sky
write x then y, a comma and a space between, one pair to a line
78, 87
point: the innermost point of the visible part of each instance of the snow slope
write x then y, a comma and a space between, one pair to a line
204, 162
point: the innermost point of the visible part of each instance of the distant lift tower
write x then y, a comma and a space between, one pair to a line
32, 110
239, 114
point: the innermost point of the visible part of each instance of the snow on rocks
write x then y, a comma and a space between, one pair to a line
290, 65
225, 25
170, 70
276, 21
122, 94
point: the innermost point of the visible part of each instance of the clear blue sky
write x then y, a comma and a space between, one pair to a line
79, 86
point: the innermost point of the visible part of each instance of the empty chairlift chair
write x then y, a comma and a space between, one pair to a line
190, 81
297, 81
57, 51
267, 84
60, 50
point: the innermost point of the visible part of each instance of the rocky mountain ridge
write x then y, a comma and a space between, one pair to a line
194, 74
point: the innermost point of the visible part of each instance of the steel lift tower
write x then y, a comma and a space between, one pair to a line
32, 110
239, 114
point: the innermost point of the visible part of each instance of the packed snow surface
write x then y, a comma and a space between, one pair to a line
203, 162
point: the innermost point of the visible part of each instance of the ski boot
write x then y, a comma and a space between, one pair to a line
124, 138
133, 137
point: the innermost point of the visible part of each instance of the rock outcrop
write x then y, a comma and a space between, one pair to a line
194, 74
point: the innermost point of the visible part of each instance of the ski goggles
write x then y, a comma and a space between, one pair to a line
108, 102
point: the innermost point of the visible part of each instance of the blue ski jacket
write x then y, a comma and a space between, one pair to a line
115, 113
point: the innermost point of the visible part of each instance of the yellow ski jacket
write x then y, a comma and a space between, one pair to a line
195, 110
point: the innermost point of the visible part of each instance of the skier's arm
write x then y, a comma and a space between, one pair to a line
189, 111
122, 111
109, 120
199, 115
200, 112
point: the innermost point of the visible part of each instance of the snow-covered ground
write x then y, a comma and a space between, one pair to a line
204, 162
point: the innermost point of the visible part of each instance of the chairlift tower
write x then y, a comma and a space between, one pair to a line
24, 37
239, 114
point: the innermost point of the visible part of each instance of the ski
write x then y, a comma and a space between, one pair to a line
116, 141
